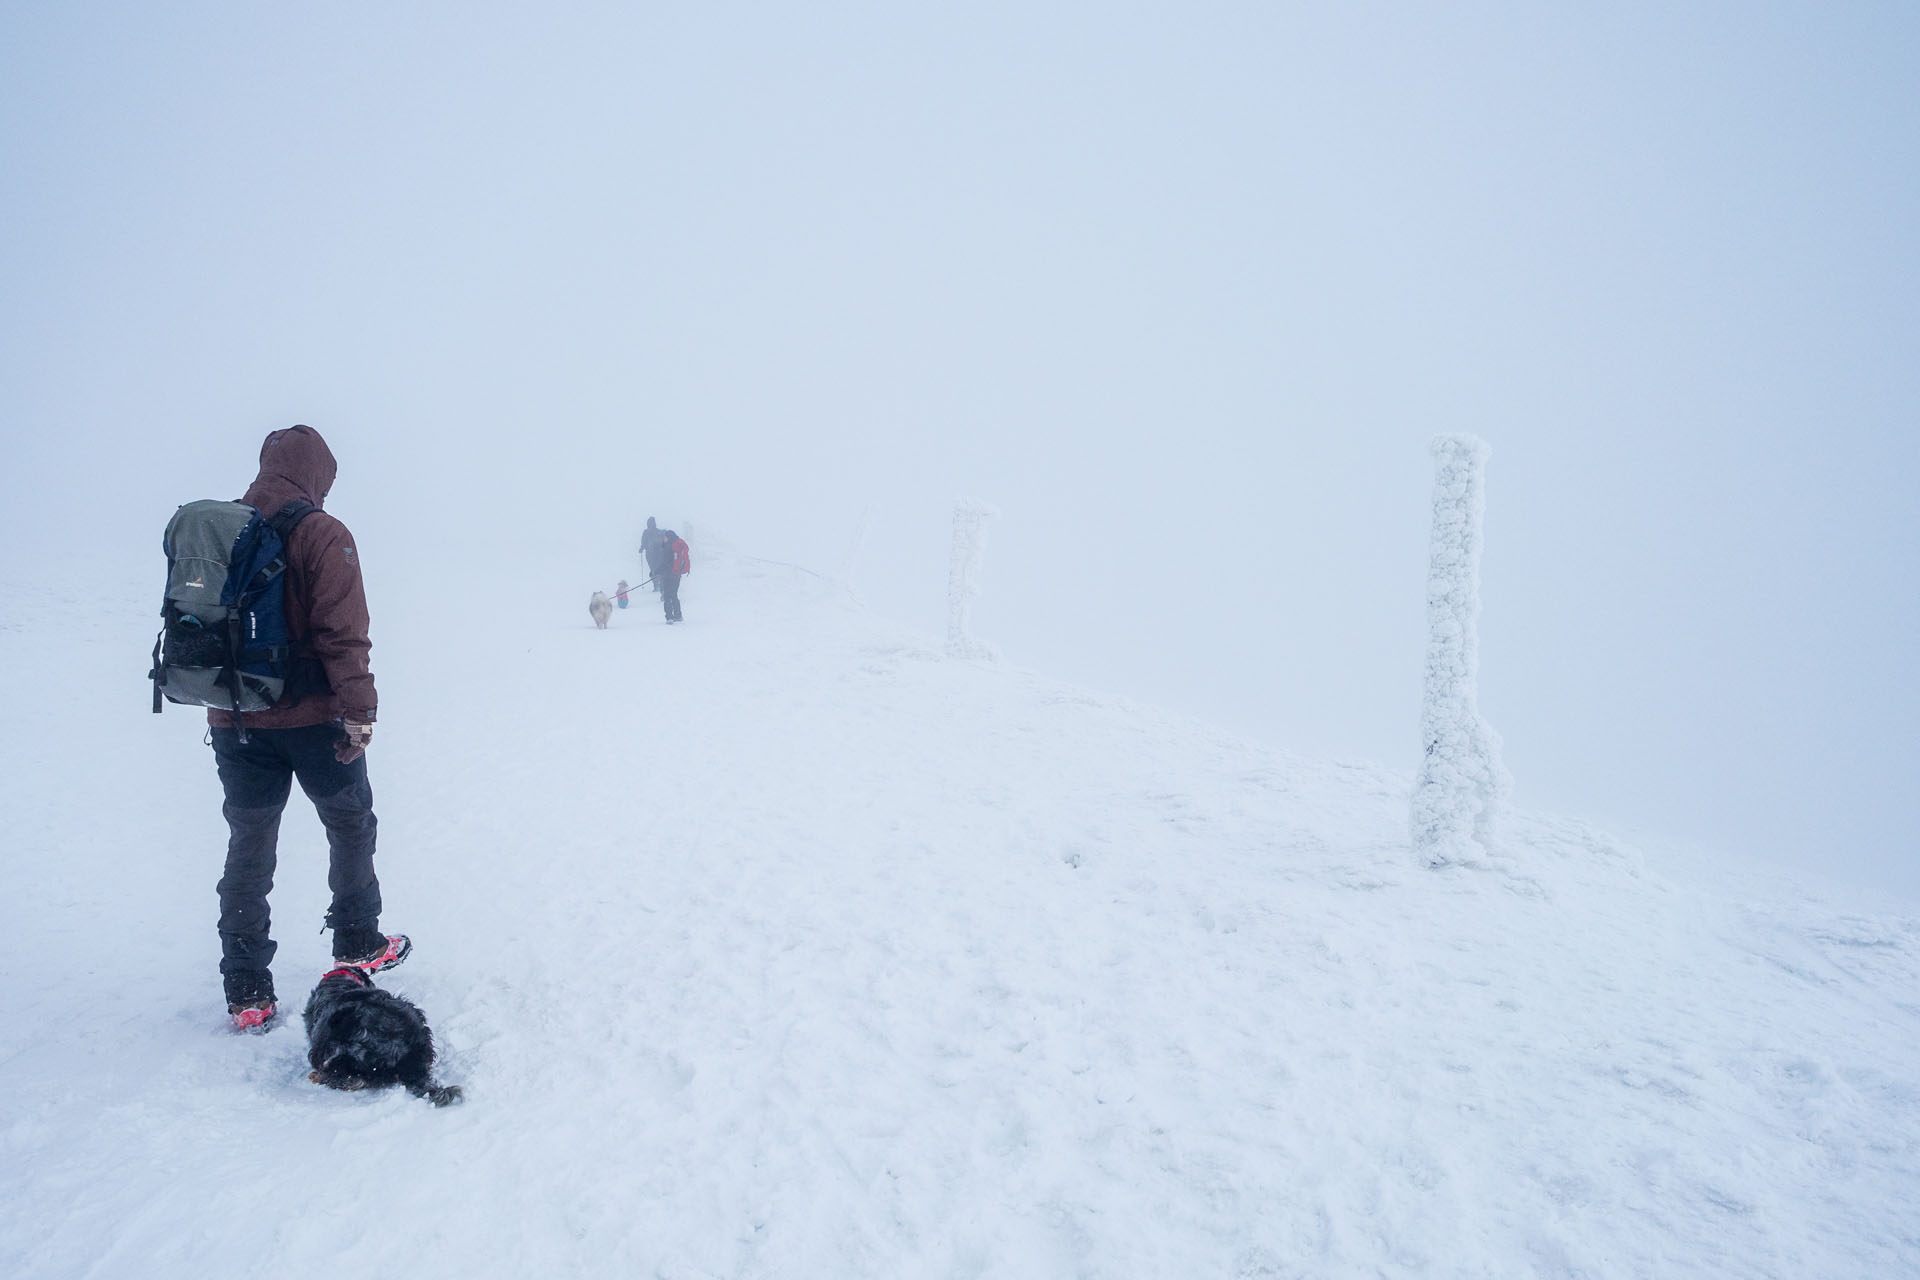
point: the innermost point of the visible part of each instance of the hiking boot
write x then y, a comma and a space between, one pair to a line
252, 1016
249, 998
383, 951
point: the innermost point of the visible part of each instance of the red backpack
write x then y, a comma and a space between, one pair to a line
682, 559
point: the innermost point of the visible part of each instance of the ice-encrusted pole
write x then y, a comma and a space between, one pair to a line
1462, 784
970, 516
855, 547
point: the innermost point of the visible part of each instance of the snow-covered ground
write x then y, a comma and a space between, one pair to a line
779, 945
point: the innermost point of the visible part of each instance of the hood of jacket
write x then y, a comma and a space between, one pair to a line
294, 463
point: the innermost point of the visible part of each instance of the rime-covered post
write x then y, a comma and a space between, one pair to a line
970, 517
855, 547
1462, 784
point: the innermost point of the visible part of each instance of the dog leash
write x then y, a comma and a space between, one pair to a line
630, 590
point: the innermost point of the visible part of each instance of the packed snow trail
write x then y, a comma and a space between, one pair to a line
777, 945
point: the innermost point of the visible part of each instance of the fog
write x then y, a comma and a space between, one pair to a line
1183, 290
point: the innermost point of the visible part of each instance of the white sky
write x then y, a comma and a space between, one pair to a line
1183, 289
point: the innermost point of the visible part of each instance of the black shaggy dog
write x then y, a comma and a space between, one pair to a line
360, 1037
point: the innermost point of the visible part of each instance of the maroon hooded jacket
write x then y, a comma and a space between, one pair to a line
326, 601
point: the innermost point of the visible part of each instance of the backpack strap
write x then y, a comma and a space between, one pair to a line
158, 675
288, 517
304, 675
232, 672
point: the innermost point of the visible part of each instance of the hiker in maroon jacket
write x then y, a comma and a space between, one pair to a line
317, 732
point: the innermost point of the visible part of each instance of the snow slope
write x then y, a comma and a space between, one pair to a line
778, 945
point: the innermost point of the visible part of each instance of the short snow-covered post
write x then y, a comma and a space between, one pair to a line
1462, 784
970, 516
855, 547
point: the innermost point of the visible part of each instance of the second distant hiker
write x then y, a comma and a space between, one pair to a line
653, 546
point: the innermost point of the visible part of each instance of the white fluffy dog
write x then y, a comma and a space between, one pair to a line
601, 608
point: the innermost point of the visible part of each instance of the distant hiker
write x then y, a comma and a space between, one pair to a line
653, 545
620, 594
679, 565
316, 730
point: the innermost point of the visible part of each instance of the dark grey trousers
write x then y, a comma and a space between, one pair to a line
258, 778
